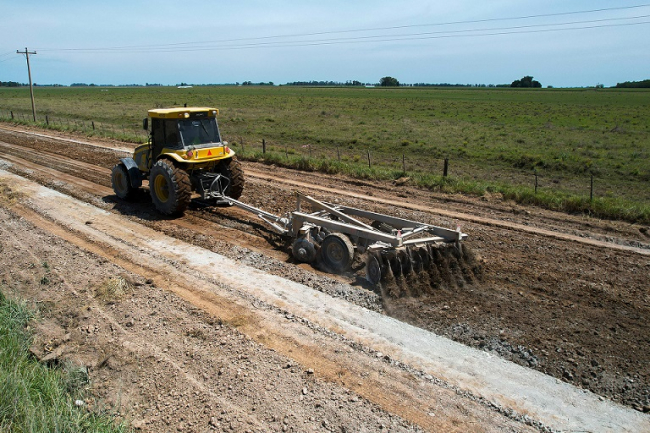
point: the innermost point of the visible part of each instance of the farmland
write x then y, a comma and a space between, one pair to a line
496, 140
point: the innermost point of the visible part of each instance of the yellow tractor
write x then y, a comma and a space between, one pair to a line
184, 154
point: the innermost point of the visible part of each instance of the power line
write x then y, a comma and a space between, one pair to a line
168, 47
428, 25
530, 28
452, 33
319, 43
7, 55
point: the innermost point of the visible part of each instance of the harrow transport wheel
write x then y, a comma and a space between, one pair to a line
303, 250
231, 168
170, 188
337, 252
374, 269
121, 183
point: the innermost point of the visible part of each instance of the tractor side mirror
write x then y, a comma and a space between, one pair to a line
145, 123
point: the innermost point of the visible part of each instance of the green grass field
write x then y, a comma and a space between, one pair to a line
495, 139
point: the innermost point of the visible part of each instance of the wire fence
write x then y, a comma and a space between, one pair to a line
401, 164
125, 132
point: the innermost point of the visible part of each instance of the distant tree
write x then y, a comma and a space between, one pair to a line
389, 82
527, 81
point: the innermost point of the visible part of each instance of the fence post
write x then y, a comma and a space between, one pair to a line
368, 151
535, 183
263, 146
12, 115
47, 120
445, 168
404, 163
286, 152
591, 189
93, 123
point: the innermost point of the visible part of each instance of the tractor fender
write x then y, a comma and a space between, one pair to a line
135, 177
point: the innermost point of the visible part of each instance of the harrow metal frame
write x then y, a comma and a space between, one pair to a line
343, 219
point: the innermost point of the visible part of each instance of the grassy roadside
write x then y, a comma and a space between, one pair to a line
34, 397
613, 208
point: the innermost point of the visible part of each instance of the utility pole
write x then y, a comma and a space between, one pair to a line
29, 72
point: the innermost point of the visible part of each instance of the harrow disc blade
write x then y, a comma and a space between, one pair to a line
375, 268
395, 264
416, 259
405, 260
425, 256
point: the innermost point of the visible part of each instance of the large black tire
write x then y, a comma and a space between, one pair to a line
170, 188
337, 252
121, 182
231, 168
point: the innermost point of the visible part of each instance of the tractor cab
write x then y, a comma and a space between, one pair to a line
176, 128
187, 135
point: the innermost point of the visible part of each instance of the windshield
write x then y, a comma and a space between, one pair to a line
198, 131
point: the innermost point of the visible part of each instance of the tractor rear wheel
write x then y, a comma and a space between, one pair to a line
170, 188
121, 182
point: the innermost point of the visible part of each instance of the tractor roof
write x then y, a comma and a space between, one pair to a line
180, 112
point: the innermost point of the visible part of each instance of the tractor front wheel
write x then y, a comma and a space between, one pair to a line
170, 188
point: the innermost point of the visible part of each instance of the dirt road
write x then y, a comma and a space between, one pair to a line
567, 296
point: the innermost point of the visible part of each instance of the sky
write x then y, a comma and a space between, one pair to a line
560, 43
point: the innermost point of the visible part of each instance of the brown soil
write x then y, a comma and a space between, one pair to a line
566, 295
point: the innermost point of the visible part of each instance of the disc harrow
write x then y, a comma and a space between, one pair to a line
334, 236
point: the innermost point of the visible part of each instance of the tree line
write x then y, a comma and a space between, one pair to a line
634, 85
525, 82
11, 84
